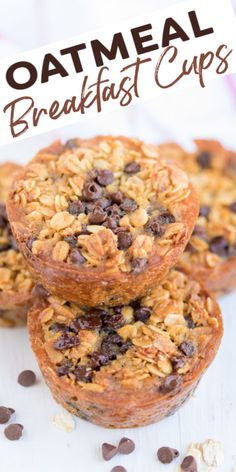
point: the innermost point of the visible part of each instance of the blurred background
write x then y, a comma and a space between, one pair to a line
180, 116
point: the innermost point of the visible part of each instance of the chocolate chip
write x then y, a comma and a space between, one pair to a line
132, 168
204, 210
91, 191
13, 432
114, 321
76, 208
187, 348
167, 454
178, 363
65, 368
124, 240
118, 468
102, 203
170, 383
4, 246
65, 342
27, 378
204, 160
40, 291
200, 232
5, 414
142, 313
98, 359
71, 143
166, 218
57, 327
126, 345
138, 265
76, 257
30, 242
105, 177
232, 207
111, 345
189, 464
108, 451
97, 216
91, 320
111, 223
83, 374
116, 197
189, 321
219, 245
126, 446
128, 205
154, 227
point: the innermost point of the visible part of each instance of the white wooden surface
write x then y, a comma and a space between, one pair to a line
211, 413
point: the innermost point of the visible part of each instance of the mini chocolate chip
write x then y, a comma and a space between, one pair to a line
91, 191
142, 313
91, 320
13, 432
138, 265
124, 240
128, 205
102, 203
204, 159
97, 216
71, 143
166, 218
126, 446
4, 246
83, 373
170, 383
118, 468
98, 359
116, 197
126, 345
27, 378
178, 363
167, 454
30, 242
189, 464
132, 168
5, 414
189, 321
76, 257
105, 177
114, 321
204, 210
199, 231
154, 227
232, 207
40, 291
113, 211
65, 368
111, 346
187, 348
111, 223
71, 240
65, 342
219, 245
57, 327
76, 208
108, 451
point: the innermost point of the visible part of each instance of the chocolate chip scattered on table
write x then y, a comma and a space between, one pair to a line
27, 378
166, 455
13, 432
5, 414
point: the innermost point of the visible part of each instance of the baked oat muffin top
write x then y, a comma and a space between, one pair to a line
162, 337
102, 202
14, 276
212, 170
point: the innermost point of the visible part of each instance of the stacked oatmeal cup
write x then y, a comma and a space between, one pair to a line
120, 323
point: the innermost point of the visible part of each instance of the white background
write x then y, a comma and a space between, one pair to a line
181, 116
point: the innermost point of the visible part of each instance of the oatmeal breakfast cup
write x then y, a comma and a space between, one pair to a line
210, 255
15, 280
132, 364
101, 220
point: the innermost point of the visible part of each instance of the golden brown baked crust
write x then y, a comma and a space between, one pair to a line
130, 365
15, 280
140, 237
211, 253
